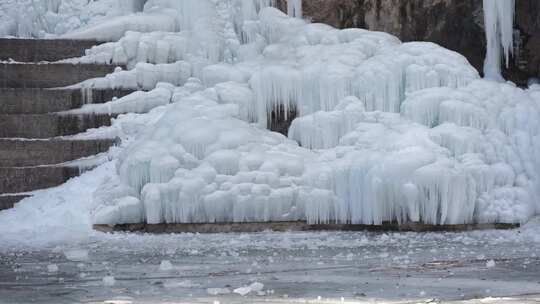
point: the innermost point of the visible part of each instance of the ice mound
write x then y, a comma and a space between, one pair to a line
217, 164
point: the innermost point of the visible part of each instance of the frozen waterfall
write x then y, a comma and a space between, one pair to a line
386, 131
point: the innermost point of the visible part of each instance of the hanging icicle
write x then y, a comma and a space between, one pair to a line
294, 8
499, 23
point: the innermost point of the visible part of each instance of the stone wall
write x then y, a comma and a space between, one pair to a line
454, 24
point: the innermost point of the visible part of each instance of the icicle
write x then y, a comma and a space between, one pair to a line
294, 8
499, 23
86, 95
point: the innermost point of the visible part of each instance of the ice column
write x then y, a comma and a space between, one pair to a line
499, 23
294, 8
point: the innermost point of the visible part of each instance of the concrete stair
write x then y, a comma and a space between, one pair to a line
49, 75
25, 179
42, 101
49, 125
24, 153
34, 150
31, 50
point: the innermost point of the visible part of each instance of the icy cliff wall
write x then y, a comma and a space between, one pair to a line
454, 24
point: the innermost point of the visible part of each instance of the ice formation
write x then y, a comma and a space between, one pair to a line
47, 18
386, 131
382, 130
499, 24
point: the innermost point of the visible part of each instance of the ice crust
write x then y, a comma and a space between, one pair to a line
386, 131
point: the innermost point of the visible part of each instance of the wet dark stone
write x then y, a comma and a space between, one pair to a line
279, 121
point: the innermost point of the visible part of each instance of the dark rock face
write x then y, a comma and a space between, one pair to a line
455, 24
528, 24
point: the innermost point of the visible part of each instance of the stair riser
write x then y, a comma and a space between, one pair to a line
49, 75
33, 50
17, 180
7, 202
22, 153
49, 125
41, 101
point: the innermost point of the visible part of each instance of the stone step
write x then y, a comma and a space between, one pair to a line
41, 101
49, 75
36, 50
25, 179
9, 201
251, 227
49, 125
21, 153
